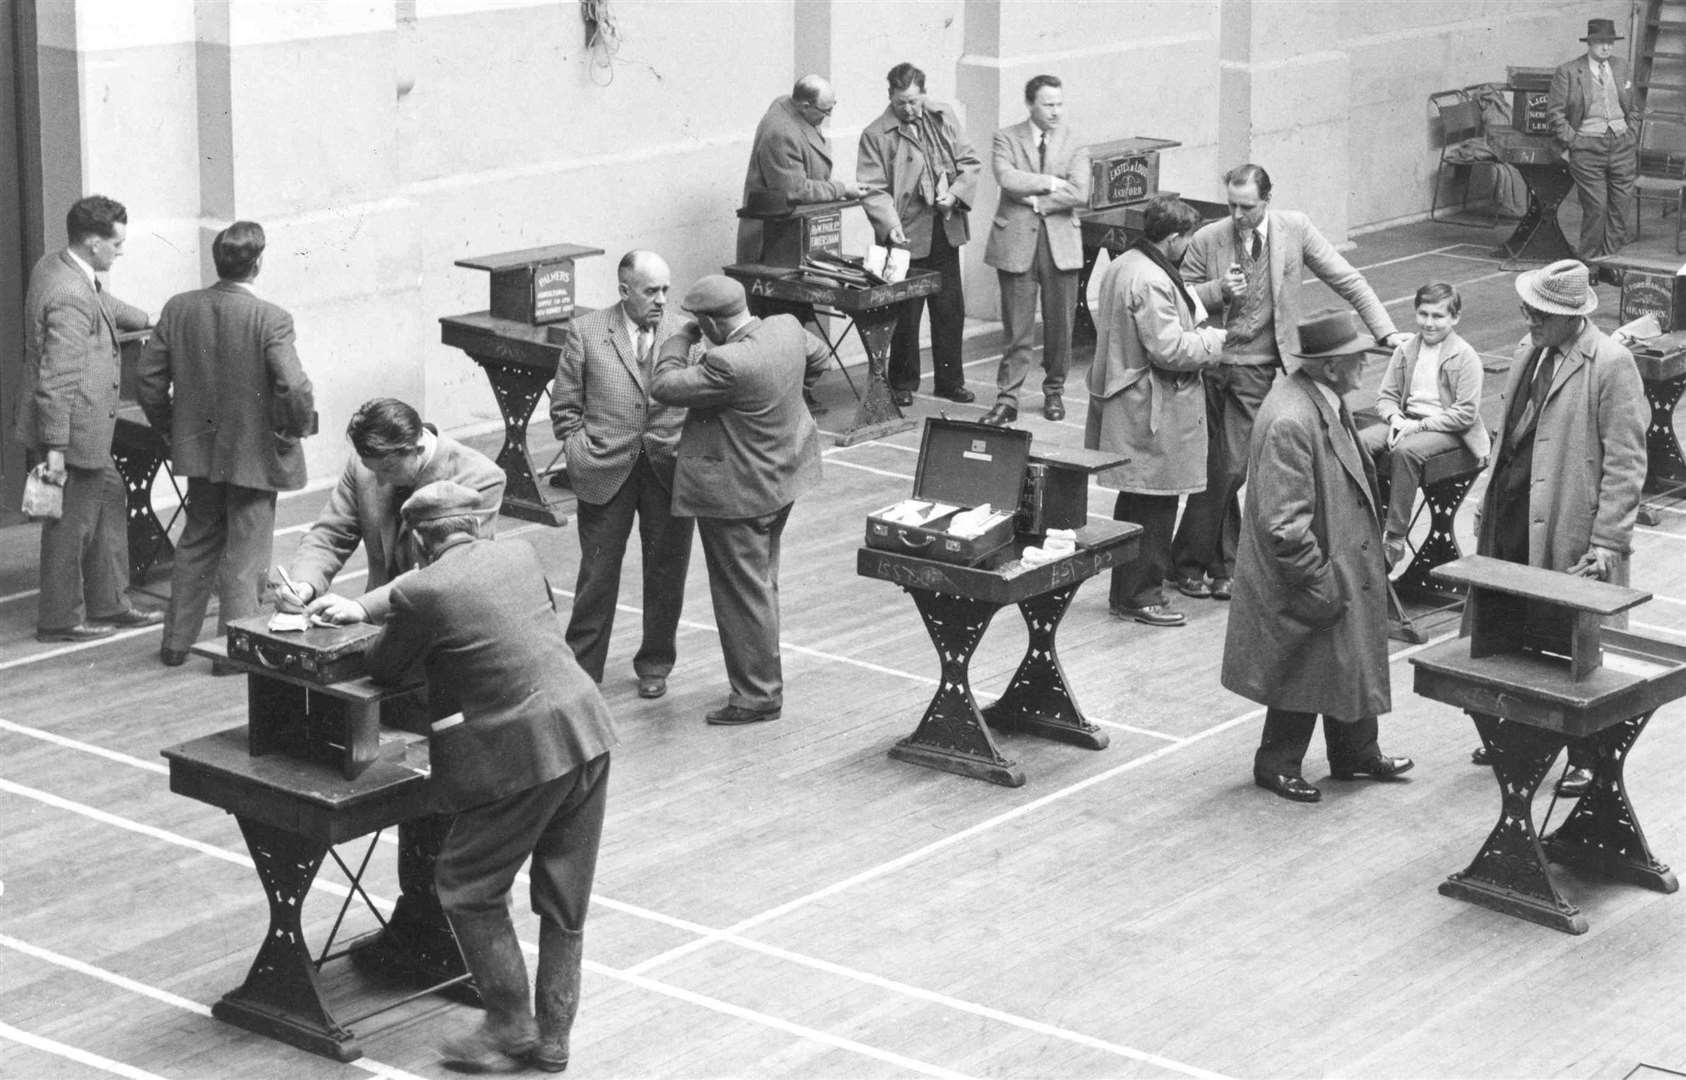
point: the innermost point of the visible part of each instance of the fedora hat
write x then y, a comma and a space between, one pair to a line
1601, 30
1330, 333
1563, 288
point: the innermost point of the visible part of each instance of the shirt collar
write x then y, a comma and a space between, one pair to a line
81, 264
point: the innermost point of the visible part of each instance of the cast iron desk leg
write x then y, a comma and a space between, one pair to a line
877, 416
1083, 323
282, 997
138, 452
1665, 471
1602, 834
416, 947
1538, 236
1038, 701
951, 736
518, 389
1440, 546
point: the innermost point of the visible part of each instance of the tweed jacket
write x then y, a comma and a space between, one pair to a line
481, 623
1459, 382
1294, 247
1147, 397
749, 446
1589, 457
361, 509
1012, 238
1572, 92
791, 157
891, 159
601, 409
221, 381
1308, 622
72, 372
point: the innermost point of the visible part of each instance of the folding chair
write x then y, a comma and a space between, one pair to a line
1461, 122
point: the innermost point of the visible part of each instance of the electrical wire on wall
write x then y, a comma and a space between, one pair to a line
602, 40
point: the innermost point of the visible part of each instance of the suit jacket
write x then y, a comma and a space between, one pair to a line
1589, 458
361, 509
241, 400
1012, 240
1459, 383
72, 372
890, 158
790, 157
1572, 92
601, 409
1294, 246
1308, 622
749, 446
480, 622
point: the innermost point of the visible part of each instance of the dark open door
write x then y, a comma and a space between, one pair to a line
20, 226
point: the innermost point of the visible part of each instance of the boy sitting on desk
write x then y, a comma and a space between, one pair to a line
1430, 402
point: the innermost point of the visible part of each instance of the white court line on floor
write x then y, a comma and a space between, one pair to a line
632, 978
1412, 295
71, 1053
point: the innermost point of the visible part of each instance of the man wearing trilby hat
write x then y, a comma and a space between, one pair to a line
1593, 117
1307, 629
1569, 458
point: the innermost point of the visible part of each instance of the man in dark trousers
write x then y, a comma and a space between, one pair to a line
1595, 119
67, 411
520, 753
749, 448
1307, 632
221, 381
619, 444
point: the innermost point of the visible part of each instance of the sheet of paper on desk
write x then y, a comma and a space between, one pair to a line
284, 622
1641, 329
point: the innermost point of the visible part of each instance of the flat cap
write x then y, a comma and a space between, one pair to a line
440, 499
716, 295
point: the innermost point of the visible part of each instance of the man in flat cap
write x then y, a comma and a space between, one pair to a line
1569, 458
520, 753
749, 448
1308, 627
1594, 118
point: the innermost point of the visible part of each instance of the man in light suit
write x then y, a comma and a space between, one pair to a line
917, 157
221, 381
67, 411
1247, 269
1036, 244
749, 448
520, 751
790, 159
1595, 120
620, 445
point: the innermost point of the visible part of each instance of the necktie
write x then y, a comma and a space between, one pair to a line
97, 286
1255, 245
644, 341
1042, 152
1530, 396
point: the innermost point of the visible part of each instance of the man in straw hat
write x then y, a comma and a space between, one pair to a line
1307, 630
1593, 117
523, 762
1569, 458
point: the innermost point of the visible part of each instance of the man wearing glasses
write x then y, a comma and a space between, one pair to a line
790, 159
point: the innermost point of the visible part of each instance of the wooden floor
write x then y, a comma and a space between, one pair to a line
783, 900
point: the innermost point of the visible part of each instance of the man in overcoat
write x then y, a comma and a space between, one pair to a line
520, 752
1146, 401
748, 449
66, 413
1036, 245
790, 159
1595, 119
918, 158
1307, 632
1569, 460
221, 381
619, 444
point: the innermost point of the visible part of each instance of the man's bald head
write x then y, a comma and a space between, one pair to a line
644, 279
814, 97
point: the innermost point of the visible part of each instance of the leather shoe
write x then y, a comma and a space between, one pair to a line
1292, 788
958, 393
79, 632
652, 686
1152, 615
559, 478
1380, 767
1575, 783
733, 715
1052, 407
902, 398
1001, 415
1195, 587
172, 657
1222, 588
131, 618
1479, 756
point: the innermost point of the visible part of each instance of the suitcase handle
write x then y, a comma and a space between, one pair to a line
907, 542
285, 661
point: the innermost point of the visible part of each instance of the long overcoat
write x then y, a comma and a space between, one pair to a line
1308, 622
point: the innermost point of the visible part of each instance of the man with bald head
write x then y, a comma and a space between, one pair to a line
791, 158
620, 445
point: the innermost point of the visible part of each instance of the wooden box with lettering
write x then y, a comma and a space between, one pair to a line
1125, 170
961, 465
1056, 487
534, 285
1528, 112
1650, 288
795, 232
